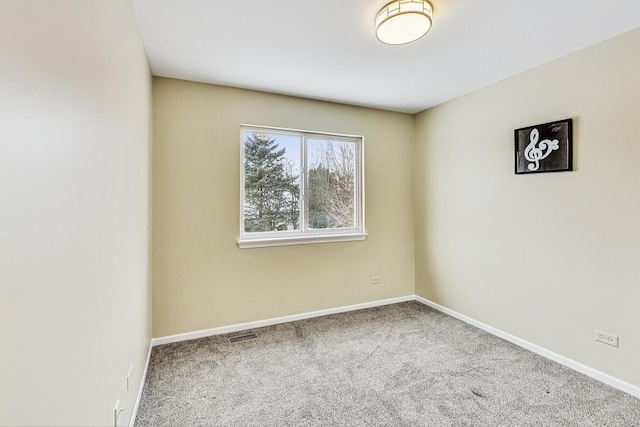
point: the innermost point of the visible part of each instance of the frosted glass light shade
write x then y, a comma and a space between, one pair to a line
403, 21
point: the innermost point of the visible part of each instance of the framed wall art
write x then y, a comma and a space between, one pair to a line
544, 148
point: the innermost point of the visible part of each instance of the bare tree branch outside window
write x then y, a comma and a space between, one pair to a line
331, 182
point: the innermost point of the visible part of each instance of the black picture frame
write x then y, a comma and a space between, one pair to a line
546, 147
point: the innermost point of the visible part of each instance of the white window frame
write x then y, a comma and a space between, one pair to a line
305, 235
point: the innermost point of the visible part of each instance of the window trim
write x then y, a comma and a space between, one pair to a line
305, 236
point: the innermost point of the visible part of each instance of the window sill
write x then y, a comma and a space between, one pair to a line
300, 240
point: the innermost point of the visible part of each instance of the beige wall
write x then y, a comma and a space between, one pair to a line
201, 278
74, 211
546, 257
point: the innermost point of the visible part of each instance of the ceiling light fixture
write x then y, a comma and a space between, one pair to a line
403, 21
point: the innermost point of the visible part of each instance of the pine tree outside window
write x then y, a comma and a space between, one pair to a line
300, 187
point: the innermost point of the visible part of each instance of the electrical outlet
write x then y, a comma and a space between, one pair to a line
117, 410
375, 280
129, 378
606, 338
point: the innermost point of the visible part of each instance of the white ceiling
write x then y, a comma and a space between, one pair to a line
327, 49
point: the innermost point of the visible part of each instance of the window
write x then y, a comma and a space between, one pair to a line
300, 187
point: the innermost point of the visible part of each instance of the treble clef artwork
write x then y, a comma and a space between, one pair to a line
535, 153
544, 148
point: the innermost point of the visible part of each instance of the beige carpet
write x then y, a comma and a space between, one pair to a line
398, 365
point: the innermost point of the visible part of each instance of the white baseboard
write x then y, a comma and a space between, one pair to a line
275, 321
134, 412
576, 366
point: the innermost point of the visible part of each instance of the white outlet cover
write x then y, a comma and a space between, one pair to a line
606, 338
129, 378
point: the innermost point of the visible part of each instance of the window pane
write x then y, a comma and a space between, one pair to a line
331, 180
271, 182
